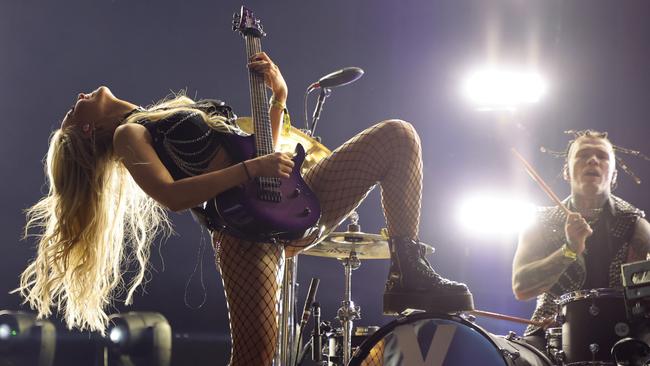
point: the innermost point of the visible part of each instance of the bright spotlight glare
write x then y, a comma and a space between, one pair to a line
492, 215
5, 331
496, 89
116, 335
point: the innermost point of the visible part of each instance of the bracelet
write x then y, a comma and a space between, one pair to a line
276, 103
248, 174
286, 118
568, 253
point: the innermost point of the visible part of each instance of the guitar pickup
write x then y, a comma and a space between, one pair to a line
270, 195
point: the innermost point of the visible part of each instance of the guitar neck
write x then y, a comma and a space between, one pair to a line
259, 101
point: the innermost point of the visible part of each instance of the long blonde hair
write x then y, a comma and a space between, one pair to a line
92, 210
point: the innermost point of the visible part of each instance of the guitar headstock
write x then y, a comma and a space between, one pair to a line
246, 23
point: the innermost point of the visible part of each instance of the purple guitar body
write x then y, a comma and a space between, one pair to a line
255, 212
264, 208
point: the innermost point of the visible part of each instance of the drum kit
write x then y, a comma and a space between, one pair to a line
591, 323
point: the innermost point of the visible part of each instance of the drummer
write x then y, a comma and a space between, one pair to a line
562, 253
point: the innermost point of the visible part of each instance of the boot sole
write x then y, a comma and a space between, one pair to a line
397, 302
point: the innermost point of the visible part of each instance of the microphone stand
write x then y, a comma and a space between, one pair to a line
324, 93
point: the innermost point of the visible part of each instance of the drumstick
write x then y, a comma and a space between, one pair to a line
508, 317
531, 171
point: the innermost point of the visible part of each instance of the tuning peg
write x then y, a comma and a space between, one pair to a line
235, 21
258, 26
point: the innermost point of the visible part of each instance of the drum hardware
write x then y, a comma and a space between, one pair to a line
349, 248
594, 310
636, 285
439, 339
344, 249
469, 317
317, 344
317, 336
622, 329
333, 347
287, 310
512, 355
594, 348
554, 345
592, 322
309, 306
348, 312
629, 351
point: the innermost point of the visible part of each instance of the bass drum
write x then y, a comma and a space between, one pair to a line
428, 339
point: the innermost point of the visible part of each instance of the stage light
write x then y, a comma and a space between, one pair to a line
116, 335
493, 88
140, 338
25, 340
6, 332
494, 215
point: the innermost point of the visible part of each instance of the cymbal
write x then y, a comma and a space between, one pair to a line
366, 246
314, 150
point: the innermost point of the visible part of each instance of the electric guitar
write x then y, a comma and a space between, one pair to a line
264, 208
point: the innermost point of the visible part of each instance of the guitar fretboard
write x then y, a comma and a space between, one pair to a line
261, 120
259, 102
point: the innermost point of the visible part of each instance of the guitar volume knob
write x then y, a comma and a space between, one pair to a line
306, 212
296, 192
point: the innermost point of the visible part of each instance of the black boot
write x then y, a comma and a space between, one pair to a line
413, 284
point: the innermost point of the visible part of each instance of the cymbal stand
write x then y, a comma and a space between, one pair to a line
348, 312
287, 326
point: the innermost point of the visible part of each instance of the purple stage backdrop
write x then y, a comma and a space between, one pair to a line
415, 54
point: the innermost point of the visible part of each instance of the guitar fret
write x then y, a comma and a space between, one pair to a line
262, 109
261, 121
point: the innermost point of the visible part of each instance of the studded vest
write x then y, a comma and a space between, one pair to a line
621, 219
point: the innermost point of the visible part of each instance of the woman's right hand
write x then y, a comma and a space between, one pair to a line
276, 165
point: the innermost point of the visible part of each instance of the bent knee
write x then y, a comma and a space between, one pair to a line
402, 130
398, 127
397, 124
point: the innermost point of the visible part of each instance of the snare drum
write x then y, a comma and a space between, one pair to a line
425, 339
592, 321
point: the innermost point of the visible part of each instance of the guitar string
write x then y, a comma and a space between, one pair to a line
261, 109
257, 115
264, 110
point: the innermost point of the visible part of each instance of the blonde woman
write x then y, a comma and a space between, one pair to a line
114, 168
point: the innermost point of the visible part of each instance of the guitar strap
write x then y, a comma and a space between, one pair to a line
216, 106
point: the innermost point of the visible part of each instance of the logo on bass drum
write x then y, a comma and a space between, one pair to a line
411, 350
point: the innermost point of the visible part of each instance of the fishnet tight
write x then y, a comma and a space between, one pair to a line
251, 278
389, 154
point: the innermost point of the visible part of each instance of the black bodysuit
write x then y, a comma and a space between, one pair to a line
184, 142
186, 145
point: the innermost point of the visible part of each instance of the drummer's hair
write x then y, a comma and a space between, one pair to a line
598, 135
